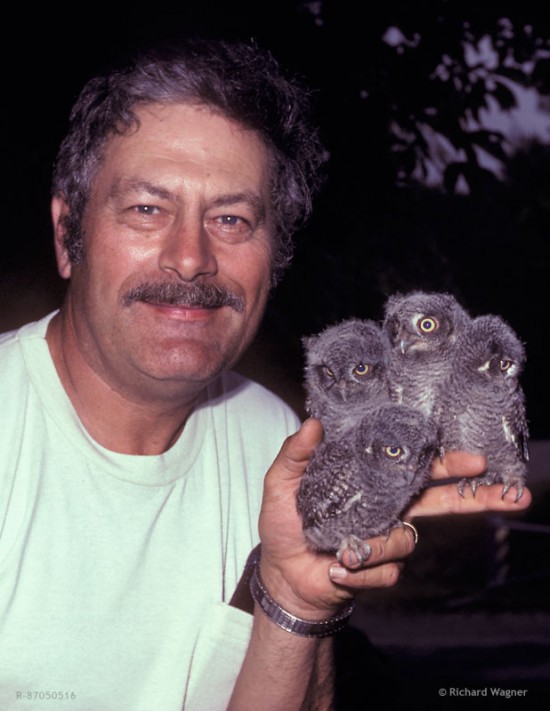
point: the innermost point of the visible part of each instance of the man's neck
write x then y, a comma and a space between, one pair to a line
143, 426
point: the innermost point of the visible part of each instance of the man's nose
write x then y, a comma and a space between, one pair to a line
188, 252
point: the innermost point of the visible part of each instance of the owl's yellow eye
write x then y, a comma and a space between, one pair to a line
361, 369
505, 365
329, 372
428, 324
392, 452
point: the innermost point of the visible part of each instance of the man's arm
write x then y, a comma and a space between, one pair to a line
319, 692
282, 670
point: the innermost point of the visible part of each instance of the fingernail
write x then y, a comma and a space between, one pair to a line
337, 573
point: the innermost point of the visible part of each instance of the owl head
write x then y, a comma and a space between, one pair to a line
400, 441
491, 350
346, 362
419, 323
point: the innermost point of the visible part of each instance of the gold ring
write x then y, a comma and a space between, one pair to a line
413, 529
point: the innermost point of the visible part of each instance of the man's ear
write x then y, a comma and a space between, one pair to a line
60, 210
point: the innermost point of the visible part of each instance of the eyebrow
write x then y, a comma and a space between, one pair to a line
250, 198
131, 185
124, 186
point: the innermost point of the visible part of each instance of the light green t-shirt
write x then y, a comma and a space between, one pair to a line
115, 570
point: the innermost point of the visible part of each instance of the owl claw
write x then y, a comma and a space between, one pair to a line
519, 490
463, 483
360, 551
474, 484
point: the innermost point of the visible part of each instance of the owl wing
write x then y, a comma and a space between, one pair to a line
516, 431
329, 486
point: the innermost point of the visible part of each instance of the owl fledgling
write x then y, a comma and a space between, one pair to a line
482, 404
422, 328
345, 373
357, 486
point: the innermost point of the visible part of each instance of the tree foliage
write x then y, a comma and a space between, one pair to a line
409, 82
394, 92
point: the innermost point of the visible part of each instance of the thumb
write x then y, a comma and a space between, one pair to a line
294, 456
280, 524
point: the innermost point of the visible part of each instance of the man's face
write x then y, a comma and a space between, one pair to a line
179, 212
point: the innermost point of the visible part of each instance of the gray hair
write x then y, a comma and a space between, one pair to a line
238, 80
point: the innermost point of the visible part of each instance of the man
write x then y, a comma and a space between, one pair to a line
133, 459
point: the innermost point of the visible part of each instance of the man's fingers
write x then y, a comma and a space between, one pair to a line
458, 464
382, 576
438, 500
383, 567
399, 544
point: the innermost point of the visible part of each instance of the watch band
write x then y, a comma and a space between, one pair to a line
291, 623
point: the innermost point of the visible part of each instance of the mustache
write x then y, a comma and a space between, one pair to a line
201, 295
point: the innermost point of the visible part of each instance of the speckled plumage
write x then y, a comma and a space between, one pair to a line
422, 328
345, 373
482, 405
357, 486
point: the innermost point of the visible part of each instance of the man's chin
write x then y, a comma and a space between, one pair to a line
195, 363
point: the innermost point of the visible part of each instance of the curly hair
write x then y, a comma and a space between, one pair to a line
241, 81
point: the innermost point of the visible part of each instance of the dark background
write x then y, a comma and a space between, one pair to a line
472, 608
374, 230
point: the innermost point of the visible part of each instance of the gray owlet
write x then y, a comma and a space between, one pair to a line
345, 373
358, 485
422, 328
482, 404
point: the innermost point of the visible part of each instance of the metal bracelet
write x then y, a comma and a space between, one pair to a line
291, 623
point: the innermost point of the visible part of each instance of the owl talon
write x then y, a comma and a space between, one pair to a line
360, 551
519, 490
463, 483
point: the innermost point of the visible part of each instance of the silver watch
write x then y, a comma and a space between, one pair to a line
291, 623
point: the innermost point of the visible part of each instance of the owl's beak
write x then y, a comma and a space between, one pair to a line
411, 344
402, 340
341, 385
405, 344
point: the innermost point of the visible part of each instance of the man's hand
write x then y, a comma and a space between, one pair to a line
309, 584
313, 585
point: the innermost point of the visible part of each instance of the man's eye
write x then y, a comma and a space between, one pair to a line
231, 228
232, 221
146, 210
